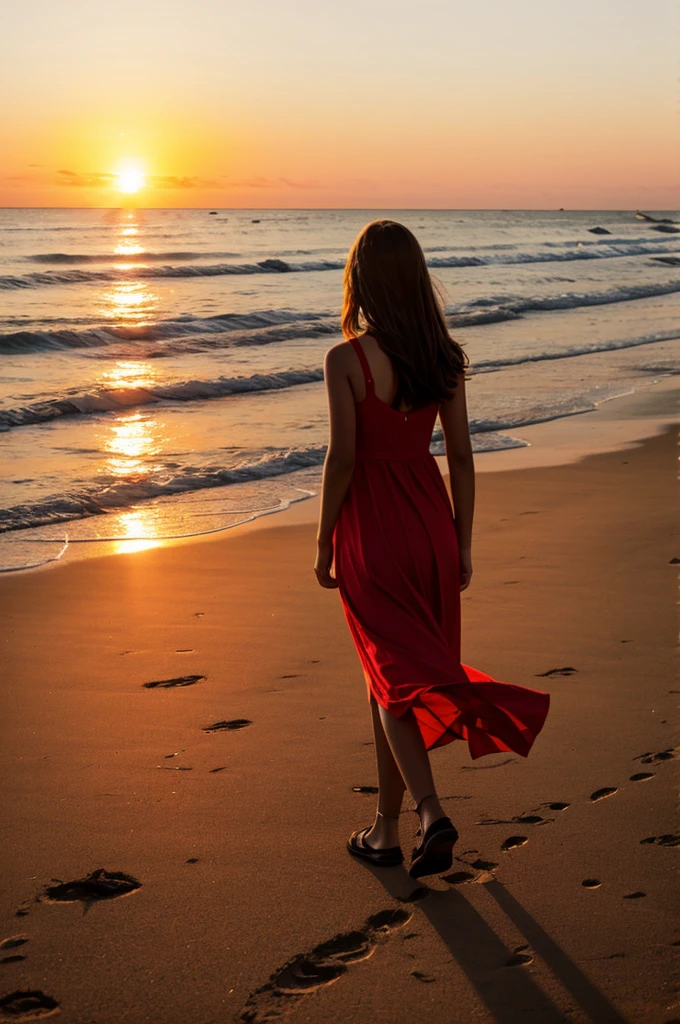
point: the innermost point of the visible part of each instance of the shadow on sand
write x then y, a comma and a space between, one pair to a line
510, 993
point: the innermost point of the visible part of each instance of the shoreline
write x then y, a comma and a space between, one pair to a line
616, 424
235, 835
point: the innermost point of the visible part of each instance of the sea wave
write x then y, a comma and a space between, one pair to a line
78, 403
96, 499
264, 327
487, 434
134, 268
239, 328
143, 257
115, 399
73, 258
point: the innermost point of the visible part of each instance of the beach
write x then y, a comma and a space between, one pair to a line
221, 805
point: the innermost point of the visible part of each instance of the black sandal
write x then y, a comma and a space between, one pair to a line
434, 856
358, 847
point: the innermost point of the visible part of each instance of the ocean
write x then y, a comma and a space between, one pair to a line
162, 369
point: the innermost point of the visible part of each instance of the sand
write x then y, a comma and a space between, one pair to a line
238, 900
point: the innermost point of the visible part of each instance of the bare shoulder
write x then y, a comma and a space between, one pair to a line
338, 358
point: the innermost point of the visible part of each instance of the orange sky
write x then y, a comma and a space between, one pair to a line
354, 104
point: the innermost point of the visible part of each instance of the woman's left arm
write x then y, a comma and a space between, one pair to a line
339, 465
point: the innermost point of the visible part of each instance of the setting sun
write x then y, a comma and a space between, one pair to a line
130, 179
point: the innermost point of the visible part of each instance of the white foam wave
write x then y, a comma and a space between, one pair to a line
543, 253
194, 334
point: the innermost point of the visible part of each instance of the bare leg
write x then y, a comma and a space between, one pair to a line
385, 831
408, 748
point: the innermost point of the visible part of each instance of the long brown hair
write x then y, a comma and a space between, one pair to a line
388, 292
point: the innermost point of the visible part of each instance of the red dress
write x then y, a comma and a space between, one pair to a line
397, 566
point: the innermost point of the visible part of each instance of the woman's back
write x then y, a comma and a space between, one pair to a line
381, 370
384, 432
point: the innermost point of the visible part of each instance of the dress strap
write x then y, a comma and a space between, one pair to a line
356, 345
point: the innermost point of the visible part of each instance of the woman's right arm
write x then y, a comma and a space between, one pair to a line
454, 420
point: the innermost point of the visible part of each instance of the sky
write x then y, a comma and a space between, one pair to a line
493, 104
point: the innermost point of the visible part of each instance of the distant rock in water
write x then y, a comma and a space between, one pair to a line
666, 228
213, 213
279, 265
255, 222
654, 220
599, 231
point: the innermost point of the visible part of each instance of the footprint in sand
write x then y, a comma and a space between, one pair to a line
415, 896
641, 776
13, 942
479, 864
228, 726
364, 789
634, 895
668, 754
665, 840
606, 791
29, 1004
427, 979
591, 883
178, 681
567, 671
459, 877
482, 869
519, 819
519, 958
308, 972
558, 806
512, 842
100, 885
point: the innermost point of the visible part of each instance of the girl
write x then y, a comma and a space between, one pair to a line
399, 556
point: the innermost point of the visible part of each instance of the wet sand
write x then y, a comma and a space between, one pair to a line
218, 801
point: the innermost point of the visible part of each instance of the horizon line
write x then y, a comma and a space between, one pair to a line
405, 209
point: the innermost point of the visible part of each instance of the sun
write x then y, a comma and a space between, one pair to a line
130, 179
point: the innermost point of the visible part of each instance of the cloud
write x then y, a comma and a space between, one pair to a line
180, 182
73, 179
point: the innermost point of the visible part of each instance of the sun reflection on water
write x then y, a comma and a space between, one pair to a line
138, 534
129, 301
133, 441
128, 249
129, 374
